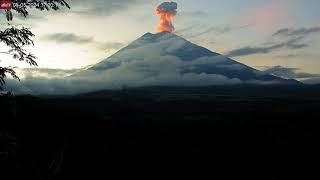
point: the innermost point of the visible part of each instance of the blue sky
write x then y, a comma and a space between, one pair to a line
94, 29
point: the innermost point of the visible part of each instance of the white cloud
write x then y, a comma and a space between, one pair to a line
162, 71
146, 62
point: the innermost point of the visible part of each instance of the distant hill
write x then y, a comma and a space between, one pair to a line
283, 91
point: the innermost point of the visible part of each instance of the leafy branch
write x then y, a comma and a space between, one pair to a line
41, 5
17, 38
3, 72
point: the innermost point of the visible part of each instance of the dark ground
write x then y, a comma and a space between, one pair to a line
161, 133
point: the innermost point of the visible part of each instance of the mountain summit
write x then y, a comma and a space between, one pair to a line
167, 59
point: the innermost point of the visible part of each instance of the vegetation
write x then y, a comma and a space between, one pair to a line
180, 132
16, 39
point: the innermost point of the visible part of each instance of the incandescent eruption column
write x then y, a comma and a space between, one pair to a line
166, 11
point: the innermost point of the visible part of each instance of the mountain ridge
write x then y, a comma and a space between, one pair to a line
189, 58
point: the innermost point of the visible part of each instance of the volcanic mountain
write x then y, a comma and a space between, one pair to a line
165, 59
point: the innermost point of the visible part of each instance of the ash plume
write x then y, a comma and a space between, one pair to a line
166, 11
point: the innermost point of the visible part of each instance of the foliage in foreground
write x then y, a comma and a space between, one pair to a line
16, 39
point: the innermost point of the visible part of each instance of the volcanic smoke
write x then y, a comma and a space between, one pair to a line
166, 11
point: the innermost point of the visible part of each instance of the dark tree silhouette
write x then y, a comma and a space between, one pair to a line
17, 38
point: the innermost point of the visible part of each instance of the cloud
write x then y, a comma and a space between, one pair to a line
193, 14
245, 51
101, 7
47, 73
133, 73
212, 29
120, 77
312, 81
78, 39
68, 38
294, 40
128, 74
147, 62
110, 45
198, 30
289, 73
139, 73
168, 7
288, 56
296, 32
83, 8
292, 44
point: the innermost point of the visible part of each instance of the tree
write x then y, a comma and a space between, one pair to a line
17, 38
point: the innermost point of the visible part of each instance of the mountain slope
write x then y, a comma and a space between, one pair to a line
167, 59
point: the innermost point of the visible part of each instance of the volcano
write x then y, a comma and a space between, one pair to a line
166, 59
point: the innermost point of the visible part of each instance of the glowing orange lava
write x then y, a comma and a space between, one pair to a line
166, 21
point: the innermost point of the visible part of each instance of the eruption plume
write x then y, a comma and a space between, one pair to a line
166, 11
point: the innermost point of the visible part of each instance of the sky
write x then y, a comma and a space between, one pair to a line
281, 36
